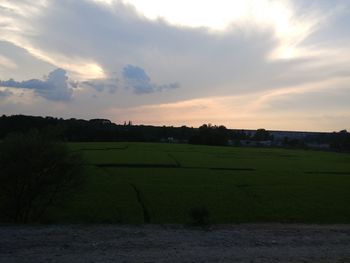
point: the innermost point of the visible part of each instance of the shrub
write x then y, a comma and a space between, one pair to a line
199, 216
36, 172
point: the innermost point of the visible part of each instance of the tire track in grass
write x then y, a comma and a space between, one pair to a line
135, 165
231, 169
101, 149
327, 172
139, 198
146, 214
178, 164
175, 166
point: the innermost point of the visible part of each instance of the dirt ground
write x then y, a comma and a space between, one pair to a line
174, 243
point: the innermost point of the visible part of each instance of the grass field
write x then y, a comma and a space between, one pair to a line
160, 183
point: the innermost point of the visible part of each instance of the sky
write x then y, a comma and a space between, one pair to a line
278, 65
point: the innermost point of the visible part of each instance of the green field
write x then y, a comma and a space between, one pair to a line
234, 184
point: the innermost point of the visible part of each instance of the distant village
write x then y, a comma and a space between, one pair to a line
277, 139
281, 138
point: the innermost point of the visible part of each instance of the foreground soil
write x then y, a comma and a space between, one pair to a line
174, 243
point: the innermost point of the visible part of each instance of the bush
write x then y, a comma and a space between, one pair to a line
199, 216
36, 172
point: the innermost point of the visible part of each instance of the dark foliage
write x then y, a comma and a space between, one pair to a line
338, 141
77, 130
341, 140
36, 173
262, 135
199, 216
104, 130
293, 143
210, 135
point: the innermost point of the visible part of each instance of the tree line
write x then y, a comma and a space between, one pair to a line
78, 130
75, 130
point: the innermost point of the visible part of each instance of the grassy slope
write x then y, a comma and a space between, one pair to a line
235, 184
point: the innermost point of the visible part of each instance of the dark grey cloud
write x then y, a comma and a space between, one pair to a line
137, 79
54, 87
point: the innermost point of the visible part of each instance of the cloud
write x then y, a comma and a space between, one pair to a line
109, 84
137, 79
132, 77
7, 63
54, 87
5, 93
117, 36
92, 40
205, 62
290, 109
17, 63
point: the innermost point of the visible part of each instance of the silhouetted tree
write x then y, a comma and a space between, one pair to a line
262, 135
208, 134
105, 130
35, 173
340, 140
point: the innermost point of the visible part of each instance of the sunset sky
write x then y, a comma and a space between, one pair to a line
281, 65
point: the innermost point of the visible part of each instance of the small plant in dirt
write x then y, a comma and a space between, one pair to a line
199, 216
35, 173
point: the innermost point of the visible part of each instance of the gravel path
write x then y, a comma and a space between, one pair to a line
174, 243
